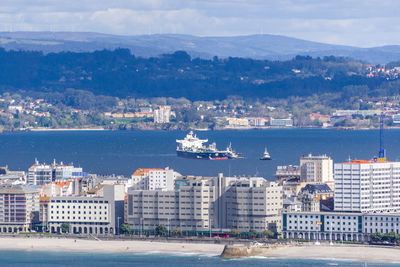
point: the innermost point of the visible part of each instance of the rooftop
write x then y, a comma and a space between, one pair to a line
361, 161
140, 171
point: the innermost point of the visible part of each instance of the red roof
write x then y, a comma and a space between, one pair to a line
141, 172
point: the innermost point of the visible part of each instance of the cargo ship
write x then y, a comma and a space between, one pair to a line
193, 147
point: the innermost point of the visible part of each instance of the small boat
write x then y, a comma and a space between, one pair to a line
266, 155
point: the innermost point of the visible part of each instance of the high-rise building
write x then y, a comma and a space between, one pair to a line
19, 206
253, 204
316, 169
210, 203
40, 173
162, 114
154, 179
367, 186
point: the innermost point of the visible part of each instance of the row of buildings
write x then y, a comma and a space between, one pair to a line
161, 114
317, 200
258, 122
366, 201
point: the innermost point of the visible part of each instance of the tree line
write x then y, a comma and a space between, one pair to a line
118, 73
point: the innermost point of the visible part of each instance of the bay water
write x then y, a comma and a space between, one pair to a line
122, 152
40, 258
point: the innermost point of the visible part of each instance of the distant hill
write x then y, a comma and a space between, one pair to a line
121, 74
272, 47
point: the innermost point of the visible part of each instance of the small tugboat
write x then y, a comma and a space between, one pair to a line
266, 155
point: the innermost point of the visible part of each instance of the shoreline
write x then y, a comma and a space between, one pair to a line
174, 130
347, 252
62, 129
61, 244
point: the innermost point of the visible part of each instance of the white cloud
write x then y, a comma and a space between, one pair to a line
352, 22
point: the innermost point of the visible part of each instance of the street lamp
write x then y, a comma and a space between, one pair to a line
168, 226
209, 224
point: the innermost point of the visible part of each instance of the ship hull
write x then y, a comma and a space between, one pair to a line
218, 155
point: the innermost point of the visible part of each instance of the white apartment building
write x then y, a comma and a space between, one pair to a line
162, 114
367, 186
154, 179
316, 169
281, 122
87, 215
175, 209
64, 172
39, 174
211, 203
254, 204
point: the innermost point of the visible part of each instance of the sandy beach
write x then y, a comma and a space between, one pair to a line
345, 252
64, 244
348, 252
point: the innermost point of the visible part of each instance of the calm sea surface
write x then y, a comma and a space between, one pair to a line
121, 152
24, 258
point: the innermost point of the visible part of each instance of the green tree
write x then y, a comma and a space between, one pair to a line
125, 229
235, 232
268, 234
177, 232
161, 230
252, 234
65, 227
377, 237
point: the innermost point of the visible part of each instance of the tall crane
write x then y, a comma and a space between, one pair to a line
382, 152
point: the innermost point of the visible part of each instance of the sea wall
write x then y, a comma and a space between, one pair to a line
236, 251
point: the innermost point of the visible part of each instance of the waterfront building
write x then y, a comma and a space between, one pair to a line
162, 114
339, 226
253, 204
237, 122
382, 223
257, 121
316, 169
396, 118
154, 179
19, 207
345, 113
281, 122
86, 215
323, 226
210, 203
368, 186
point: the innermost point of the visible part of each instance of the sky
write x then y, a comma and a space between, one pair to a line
363, 23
